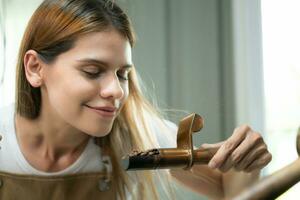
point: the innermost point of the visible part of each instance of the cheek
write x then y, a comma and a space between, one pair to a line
72, 87
67, 92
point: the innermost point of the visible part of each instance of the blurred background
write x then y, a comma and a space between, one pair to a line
231, 61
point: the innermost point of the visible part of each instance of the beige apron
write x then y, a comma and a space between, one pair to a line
84, 186
87, 186
81, 186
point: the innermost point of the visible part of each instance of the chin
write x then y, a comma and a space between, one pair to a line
100, 133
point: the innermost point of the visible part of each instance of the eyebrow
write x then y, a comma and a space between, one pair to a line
101, 63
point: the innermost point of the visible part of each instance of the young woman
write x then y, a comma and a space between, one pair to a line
79, 109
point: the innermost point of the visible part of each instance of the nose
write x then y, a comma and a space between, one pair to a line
111, 88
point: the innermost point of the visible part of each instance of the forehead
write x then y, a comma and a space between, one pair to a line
109, 46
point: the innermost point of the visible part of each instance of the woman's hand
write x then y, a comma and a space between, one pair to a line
244, 151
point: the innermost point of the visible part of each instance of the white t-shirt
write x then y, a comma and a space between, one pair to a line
12, 159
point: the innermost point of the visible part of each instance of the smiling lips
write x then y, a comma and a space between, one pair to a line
105, 111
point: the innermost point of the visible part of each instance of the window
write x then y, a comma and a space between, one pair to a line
14, 16
2, 42
281, 48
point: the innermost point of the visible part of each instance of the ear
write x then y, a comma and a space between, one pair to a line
33, 68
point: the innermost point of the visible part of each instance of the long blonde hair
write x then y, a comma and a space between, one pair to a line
52, 30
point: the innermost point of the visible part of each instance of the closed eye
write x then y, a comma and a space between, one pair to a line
92, 75
123, 74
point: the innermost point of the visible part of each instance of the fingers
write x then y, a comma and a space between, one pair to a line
247, 146
245, 151
212, 146
259, 163
260, 149
228, 147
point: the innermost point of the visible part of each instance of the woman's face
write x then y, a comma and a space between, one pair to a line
87, 85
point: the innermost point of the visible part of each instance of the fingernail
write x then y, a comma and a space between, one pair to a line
212, 164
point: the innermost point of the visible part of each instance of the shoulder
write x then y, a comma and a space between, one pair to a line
4, 110
6, 117
166, 133
6, 127
171, 125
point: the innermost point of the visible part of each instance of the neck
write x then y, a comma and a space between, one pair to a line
49, 140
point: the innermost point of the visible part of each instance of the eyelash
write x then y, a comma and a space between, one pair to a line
92, 75
96, 75
122, 77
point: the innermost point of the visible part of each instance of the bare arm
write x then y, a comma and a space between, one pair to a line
201, 179
214, 184
235, 166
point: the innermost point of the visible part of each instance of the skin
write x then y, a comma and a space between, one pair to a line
67, 91
235, 165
